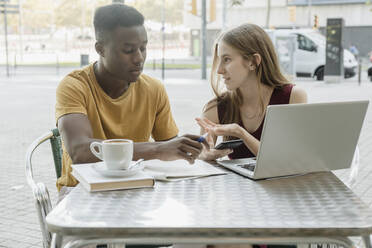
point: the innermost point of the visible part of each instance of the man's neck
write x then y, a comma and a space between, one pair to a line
111, 85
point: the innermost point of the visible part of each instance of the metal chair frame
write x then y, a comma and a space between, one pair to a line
39, 190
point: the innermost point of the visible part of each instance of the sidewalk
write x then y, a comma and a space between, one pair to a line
27, 111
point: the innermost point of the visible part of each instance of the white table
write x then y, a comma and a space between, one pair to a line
313, 208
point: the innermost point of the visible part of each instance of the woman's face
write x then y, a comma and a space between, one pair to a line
234, 69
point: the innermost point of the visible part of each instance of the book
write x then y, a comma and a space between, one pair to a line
93, 181
180, 169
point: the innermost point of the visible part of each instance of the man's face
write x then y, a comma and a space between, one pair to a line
124, 52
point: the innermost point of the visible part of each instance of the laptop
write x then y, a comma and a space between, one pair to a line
303, 138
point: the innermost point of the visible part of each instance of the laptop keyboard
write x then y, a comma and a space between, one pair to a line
245, 166
249, 167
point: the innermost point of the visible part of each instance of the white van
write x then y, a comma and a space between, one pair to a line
310, 54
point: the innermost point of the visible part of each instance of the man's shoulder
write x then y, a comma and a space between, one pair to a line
77, 79
150, 84
150, 81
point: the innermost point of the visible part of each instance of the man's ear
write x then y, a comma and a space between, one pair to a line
99, 48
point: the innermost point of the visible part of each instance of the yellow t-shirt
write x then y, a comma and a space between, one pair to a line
142, 111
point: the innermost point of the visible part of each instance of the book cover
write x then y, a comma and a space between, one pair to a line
93, 181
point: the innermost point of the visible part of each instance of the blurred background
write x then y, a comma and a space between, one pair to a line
60, 32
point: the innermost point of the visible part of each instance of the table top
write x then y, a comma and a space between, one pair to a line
225, 205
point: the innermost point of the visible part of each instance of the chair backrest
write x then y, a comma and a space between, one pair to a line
39, 190
56, 144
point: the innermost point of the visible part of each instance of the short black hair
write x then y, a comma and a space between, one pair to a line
108, 17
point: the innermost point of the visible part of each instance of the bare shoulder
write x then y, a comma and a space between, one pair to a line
210, 111
298, 95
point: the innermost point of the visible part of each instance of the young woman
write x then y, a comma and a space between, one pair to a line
246, 61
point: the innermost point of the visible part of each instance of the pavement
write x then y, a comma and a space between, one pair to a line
27, 110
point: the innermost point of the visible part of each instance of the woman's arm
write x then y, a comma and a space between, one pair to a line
234, 130
210, 122
210, 112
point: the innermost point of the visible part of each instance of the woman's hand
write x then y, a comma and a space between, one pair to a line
211, 154
232, 129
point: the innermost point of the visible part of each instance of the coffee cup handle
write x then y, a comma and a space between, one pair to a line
93, 146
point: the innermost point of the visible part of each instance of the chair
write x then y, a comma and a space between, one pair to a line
39, 190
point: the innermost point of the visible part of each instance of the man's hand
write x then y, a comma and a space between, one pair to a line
185, 147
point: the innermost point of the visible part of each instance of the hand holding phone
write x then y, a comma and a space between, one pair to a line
230, 144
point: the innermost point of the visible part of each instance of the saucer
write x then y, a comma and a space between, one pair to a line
102, 169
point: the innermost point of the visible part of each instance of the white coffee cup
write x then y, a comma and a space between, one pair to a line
116, 153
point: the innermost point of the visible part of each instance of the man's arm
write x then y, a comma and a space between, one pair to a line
185, 147
77, 135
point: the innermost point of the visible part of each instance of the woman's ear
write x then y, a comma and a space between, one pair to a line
253, 63
99, 49
257, 59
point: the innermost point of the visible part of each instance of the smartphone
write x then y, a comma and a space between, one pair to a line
230, 144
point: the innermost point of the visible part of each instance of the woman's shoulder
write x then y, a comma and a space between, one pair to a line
210, 110
216, 102
287, 94
298, 95
210, 105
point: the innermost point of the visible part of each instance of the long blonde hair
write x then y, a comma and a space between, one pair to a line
247, 39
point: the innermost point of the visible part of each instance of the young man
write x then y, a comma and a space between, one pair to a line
111, 98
